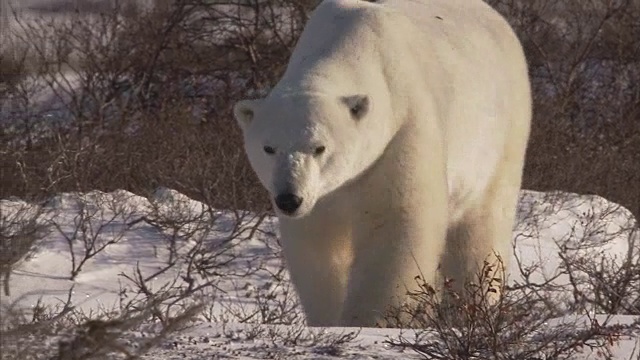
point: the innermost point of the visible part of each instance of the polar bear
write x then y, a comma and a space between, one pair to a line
392, 146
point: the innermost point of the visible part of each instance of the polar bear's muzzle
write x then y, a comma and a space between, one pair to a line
294, 184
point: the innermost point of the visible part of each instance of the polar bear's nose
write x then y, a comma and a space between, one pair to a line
288, 203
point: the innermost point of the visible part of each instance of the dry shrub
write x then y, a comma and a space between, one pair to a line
520, 324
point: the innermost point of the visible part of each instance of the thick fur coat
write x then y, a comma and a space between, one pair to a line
392, 146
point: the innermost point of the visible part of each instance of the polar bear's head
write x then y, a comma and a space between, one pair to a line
305, 146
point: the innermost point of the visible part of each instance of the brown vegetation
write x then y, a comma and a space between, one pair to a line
153, 94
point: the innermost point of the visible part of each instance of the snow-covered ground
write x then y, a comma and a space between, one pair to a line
244, 283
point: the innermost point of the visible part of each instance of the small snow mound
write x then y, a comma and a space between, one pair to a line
170, 198
63, 202
93, 200
576, 222
18, 217
565, 205
16, 207
556, 231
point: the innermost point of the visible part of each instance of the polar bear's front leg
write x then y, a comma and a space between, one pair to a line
317, 250
400, 226
386, 266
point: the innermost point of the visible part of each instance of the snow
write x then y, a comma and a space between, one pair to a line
248, 268
577, 226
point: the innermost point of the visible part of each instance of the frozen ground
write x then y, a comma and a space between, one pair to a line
245, 284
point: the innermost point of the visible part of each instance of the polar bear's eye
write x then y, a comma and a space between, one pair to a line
319, 150
269, 150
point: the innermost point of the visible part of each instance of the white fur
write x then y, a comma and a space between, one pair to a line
425, 173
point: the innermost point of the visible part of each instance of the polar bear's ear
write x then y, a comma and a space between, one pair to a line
358, 105
243, 111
